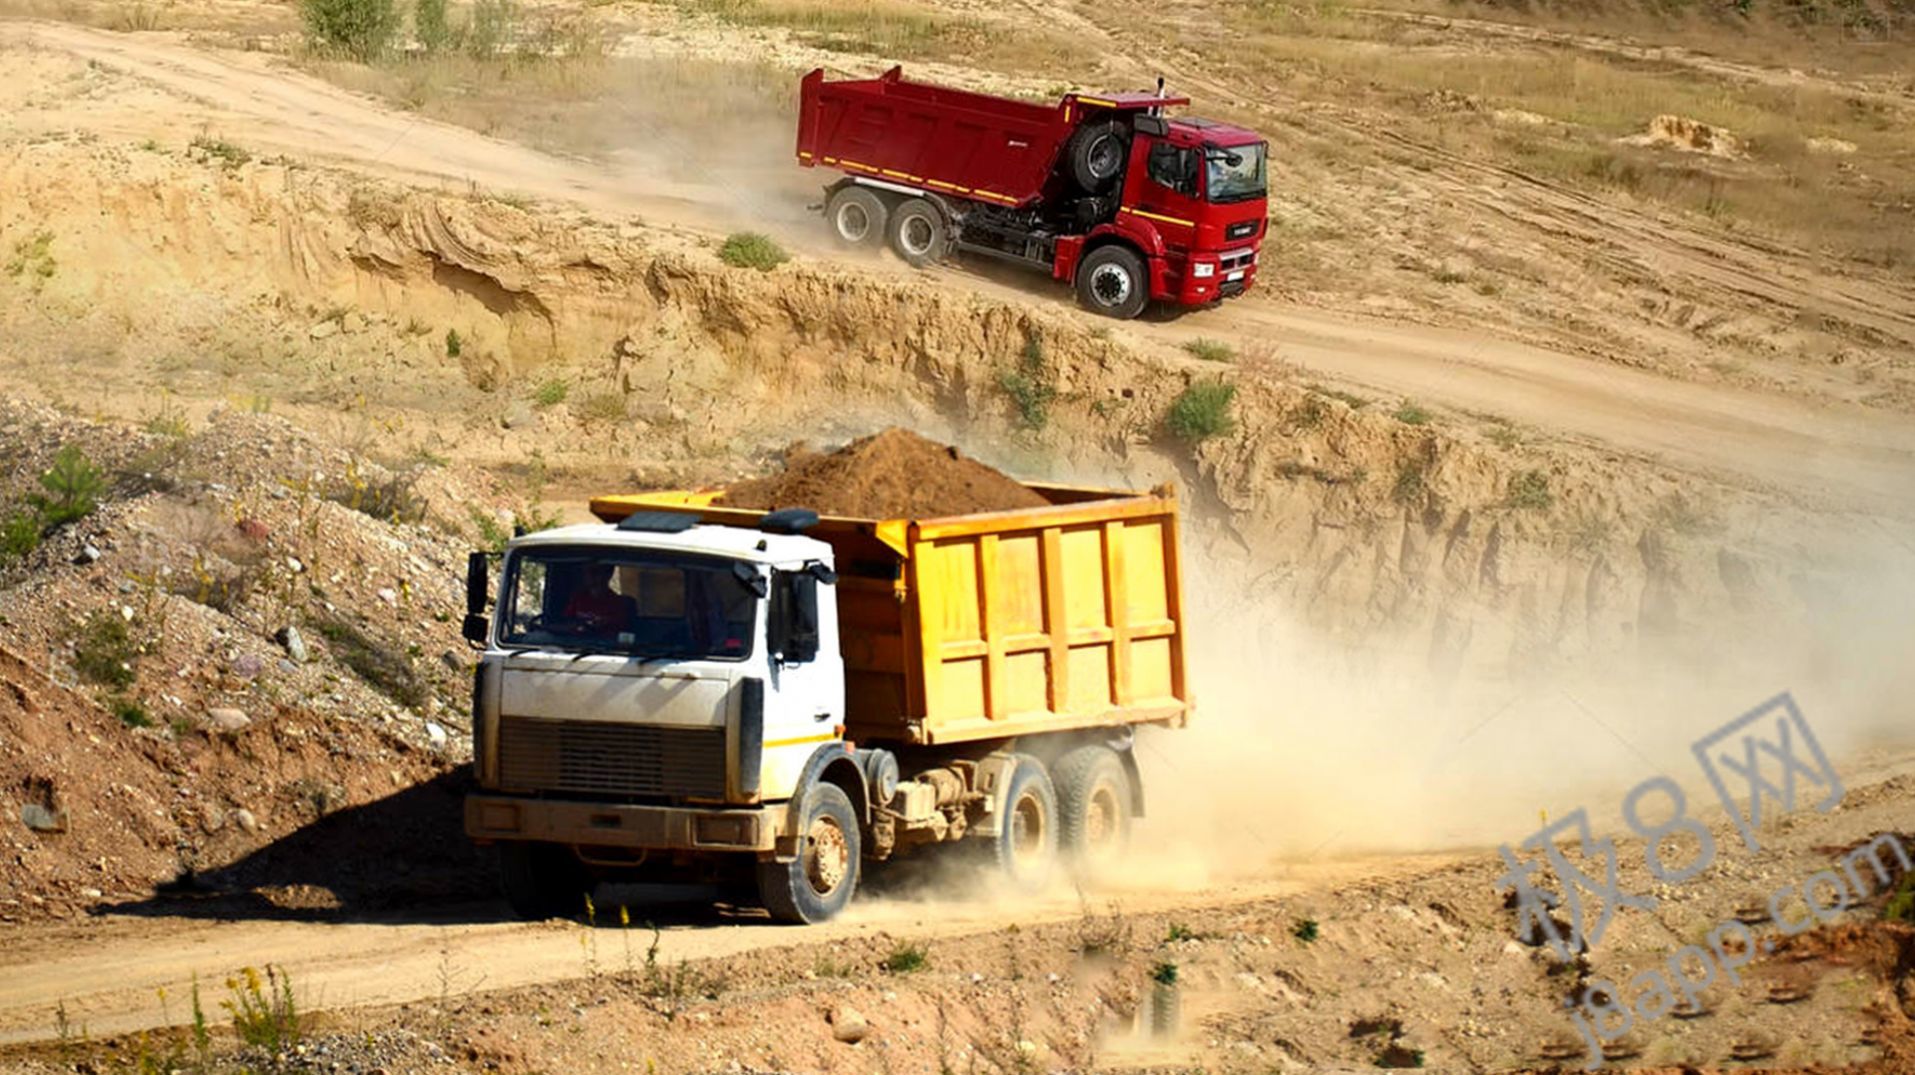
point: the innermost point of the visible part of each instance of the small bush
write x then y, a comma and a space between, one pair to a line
1179, 932
1210, 350
393, 498
1305, 930
33, 260
103, 650
1901, 904
1164, 973
131, 713
19, 535
906, 959
550, 393
454, 345
1410, 483
1530, 490
607, 406
264, 1012
1412, 415
1202, 411
493, 533
360, 28
429, 25
493, 25
73, 487
750, 250
1031, 385
226, 153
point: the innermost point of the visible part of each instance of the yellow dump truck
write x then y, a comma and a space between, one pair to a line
688, 691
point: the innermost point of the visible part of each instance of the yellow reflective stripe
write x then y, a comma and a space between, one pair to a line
1097, 101
947, 186
1160, 216
800, 741
804, 153
903, 175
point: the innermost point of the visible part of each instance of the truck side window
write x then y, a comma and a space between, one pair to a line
1172, 167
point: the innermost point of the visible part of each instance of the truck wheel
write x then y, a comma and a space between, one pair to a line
918, 234
857, 216
542, 881
1111, 281
1027, 842
1093, 806
1097, 155
817, 884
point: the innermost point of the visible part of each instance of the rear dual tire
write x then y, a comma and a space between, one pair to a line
857, 216
919, 234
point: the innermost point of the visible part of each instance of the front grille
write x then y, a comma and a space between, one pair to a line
623, 760
1232, 260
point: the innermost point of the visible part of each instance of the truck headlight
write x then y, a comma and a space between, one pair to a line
1203, 270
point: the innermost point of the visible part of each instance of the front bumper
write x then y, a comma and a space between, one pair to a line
1224, 282
506, 817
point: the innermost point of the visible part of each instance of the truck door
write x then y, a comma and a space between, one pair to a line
1164, 187
804, 687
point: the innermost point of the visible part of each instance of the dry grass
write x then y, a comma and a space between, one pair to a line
898, 30
1448, 86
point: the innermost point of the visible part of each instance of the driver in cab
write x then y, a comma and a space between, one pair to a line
595, 607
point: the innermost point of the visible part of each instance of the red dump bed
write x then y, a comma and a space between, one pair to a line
992, 148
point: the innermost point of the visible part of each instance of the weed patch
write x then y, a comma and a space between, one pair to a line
104, 648
265, 1013
1210, 350
1410, 414
1032, 386
379, 664
906, 959
1530, 490
1202, 411
226, 153
751, 250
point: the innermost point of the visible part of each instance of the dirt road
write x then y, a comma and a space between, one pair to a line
109, 973
1835, 454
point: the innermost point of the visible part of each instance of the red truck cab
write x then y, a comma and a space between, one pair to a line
1103, 192
1193, 203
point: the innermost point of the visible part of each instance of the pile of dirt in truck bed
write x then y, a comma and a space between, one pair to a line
890, 474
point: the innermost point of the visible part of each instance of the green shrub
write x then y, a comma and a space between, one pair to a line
1210, 350
73, 487
1031, 385
1530, 489
551, 393
492, 26
1179, 932
360, 28
226, 153
19, 535
1164, 973
1305, 930
429, 25
750, 250
1202, 411
1412, 415
103, 650
131, 713
454, 345
906, 959
1901, 904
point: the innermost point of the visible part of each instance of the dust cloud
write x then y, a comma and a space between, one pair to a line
1304, 749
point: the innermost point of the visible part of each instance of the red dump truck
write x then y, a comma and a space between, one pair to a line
1104, 192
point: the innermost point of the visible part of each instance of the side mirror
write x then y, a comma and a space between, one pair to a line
794, 617
476, 625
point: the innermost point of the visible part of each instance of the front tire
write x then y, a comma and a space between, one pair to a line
1093, 807
1026, 841
857, 216
543, 881
816, 886
1112, 280
918, 232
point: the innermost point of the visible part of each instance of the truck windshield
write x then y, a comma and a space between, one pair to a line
638, 602
1235, 172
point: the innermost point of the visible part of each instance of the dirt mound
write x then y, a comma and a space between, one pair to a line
1689, 136
891, 474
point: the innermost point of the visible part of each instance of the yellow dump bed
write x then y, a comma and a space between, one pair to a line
999, 624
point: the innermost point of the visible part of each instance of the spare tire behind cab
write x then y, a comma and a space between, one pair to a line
1097, 153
